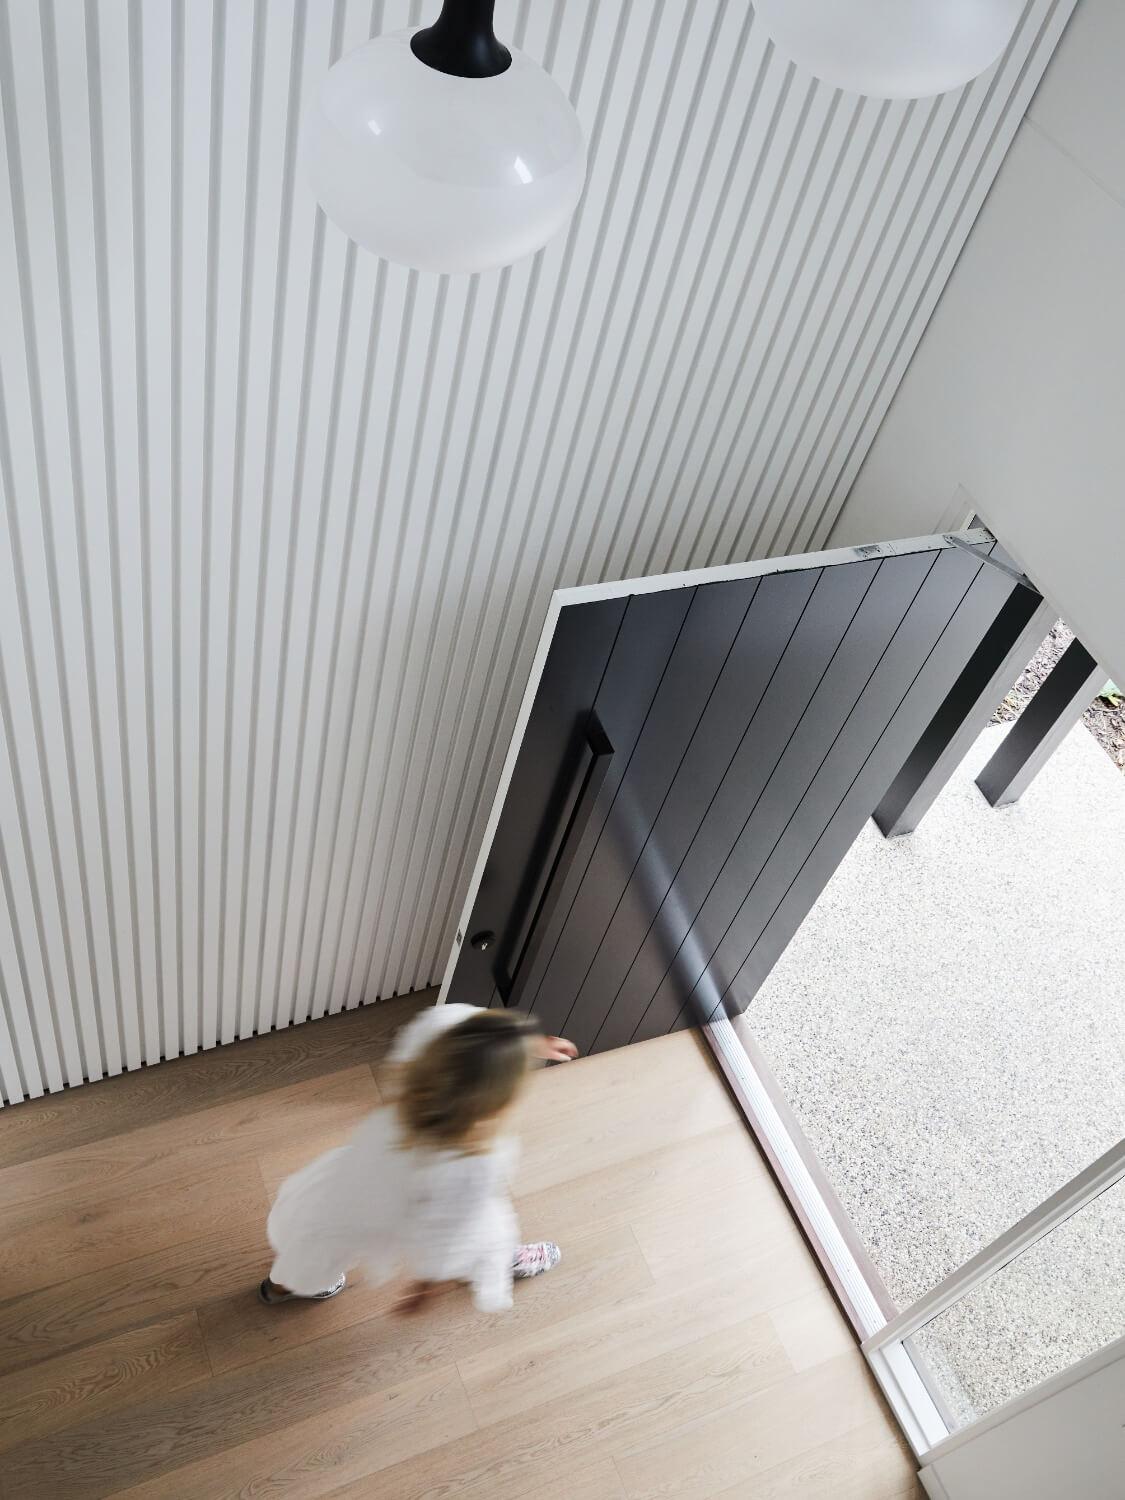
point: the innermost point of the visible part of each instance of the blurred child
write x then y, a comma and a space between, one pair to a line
421, 1189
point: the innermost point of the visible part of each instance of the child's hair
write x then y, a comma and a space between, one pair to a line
463, 1078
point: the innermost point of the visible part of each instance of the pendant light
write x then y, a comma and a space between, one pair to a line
444, 150
891, 49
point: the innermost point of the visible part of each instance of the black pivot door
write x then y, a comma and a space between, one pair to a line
695, 763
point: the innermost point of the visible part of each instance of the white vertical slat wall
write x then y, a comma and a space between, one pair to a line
279, 521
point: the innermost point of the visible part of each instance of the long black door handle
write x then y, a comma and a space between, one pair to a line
597, 752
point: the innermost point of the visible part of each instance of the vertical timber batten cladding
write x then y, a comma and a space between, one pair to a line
279, 522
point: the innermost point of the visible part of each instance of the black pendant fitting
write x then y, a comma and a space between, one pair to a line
462, 42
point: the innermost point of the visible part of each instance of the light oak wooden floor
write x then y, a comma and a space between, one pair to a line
685, 1347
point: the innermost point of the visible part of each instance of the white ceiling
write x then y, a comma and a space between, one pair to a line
280, 521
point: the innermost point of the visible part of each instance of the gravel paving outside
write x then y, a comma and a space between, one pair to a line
949, 1027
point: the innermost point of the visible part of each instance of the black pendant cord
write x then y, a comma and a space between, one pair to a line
462, 42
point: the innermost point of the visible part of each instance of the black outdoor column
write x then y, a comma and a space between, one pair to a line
1008, 645
1059, 702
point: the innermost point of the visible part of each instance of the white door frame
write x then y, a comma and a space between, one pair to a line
883, 1340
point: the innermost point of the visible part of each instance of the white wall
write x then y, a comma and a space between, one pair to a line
1067, 1444
1017, 390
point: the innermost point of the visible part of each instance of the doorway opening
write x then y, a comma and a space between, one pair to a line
695, 758
939, 1058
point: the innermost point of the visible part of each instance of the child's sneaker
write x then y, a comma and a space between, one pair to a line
269, 1294
534, 1259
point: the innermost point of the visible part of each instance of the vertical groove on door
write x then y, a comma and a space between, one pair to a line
953, 608
684, 689
645, 645
819, 746
756, 723
836, 599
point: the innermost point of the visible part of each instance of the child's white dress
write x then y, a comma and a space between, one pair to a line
430, 1215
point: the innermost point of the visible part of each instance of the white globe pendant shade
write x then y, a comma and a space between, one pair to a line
440, 172
891, 49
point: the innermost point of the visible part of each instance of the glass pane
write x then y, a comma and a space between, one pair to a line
1059, 1301
946, 1024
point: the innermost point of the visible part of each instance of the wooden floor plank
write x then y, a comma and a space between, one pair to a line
742, 1227
156, 1437
299, 1382
566, 1131
697, 1458
101, 1378
44, 1246
59, 1122
599, 1482
228, 1262
347, 1443
319, 1109
666, 1180
546, 1364
868, 1463
809, 1330
685, 1345
506, 1460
